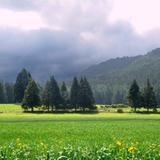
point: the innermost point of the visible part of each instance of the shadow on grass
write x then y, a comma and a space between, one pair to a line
62, 112
146, 112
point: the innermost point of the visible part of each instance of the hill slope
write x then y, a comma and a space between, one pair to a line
111, 79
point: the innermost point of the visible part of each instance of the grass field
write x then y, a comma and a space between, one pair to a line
122, 132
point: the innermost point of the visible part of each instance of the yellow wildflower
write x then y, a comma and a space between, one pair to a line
132, 149
119, 143
17, 140
43, 145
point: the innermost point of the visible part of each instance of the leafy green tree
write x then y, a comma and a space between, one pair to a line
65, 95
9, 93
31, 97
149, 97
2, 93
74, 94
134, 95
55, 98
22, 81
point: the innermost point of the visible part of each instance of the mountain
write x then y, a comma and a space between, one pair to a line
111, 79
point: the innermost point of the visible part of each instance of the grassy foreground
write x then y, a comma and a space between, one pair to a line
78, 136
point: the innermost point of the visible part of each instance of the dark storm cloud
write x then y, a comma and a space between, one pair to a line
43, 52
78, 35
46, 52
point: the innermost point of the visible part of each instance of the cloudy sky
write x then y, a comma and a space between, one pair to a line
63, 37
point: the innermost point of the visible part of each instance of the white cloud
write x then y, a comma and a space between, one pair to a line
28, 20
142, 14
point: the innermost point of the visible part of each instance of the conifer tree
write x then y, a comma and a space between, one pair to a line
149, 97
89, 93
74, 94
134, 95
2, 93
9, 92
22, 81
85, 97
46, 95
31, 97
65, 95
118, 99
55, 98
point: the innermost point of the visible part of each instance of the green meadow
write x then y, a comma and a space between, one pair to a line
50, 136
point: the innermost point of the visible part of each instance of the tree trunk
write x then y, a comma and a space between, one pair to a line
75, 108
32, 109
52, 108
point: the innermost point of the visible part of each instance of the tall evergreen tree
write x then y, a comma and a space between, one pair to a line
118, 99
134, 95
74, 94
89, 93
9, 93
65, 95
2, 93
157, 93
31, 97
22, 81
108, 95
54, 93
85, 97
46, 95
149, 97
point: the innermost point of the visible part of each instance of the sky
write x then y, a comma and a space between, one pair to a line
64, 37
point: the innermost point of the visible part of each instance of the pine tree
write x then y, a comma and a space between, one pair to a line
74, 95
65, 95
22, 81
118, 99
89, 93
46, 95
9, 92
85, 97
157, 93
108, 96
55, 98
2, 93
149, 97
134, 95
31, 97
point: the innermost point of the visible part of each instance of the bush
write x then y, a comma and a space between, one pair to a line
119, 110
155, 110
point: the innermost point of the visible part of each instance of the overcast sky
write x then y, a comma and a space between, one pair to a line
63, 37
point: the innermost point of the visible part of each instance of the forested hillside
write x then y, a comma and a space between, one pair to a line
111, 79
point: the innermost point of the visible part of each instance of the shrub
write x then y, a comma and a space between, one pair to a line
119, 110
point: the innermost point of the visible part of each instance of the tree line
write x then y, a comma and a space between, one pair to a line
52, 97
142, 98
78, 96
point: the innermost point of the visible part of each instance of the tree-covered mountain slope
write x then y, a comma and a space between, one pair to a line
111, 79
